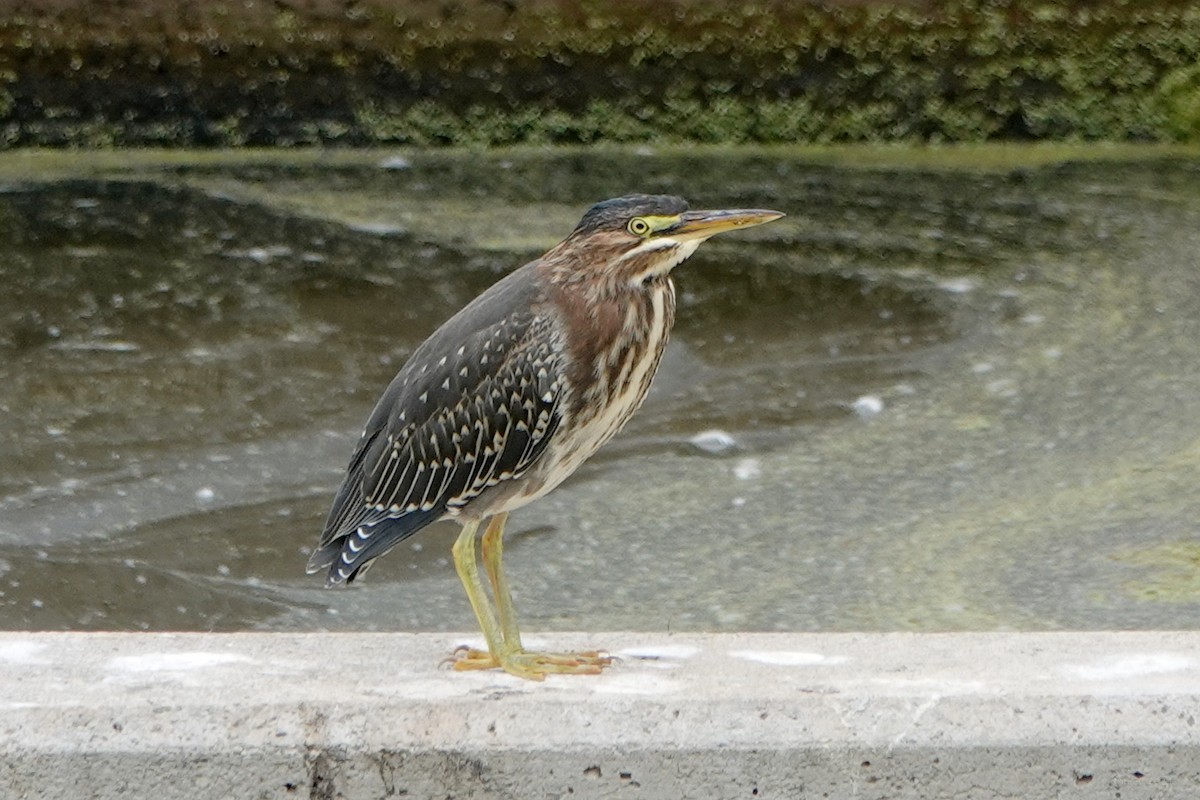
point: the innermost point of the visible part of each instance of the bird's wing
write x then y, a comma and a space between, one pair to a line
462, 416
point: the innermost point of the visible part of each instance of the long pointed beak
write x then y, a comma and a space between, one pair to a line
703, 224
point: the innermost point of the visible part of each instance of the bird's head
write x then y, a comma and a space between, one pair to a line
640, 238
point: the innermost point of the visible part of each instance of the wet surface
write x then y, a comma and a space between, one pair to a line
925, 400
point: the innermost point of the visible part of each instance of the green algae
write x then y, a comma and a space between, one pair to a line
1172, 572
472, 72
33, 163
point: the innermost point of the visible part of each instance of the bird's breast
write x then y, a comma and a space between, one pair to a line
624, 376
615, 386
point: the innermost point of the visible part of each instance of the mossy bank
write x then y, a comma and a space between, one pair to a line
498, 72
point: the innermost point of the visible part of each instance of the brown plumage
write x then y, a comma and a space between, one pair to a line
512, 394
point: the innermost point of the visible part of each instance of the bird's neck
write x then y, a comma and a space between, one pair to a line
616, 340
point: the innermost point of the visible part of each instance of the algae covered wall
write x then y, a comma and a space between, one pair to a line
260, 72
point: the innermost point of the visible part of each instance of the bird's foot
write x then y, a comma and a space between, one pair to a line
532, 665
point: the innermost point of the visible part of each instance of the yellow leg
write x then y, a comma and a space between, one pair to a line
504, 644
493, 552
468, 572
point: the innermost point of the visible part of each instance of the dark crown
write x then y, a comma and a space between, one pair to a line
617, 212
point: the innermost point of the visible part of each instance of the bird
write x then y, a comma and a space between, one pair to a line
509, 397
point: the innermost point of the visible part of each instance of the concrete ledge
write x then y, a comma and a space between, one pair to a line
757, 715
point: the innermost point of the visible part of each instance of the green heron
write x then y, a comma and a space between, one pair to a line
510, 396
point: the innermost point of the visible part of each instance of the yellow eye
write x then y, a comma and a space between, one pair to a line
639, 226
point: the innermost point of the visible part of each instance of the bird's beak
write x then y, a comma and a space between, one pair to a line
703, 224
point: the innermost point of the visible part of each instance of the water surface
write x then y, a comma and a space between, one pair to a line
927, 399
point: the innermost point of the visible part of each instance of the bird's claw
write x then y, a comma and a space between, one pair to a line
531, 665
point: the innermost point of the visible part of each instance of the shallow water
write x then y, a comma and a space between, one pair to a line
909, 376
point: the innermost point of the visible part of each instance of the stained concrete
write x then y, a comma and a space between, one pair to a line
730, 715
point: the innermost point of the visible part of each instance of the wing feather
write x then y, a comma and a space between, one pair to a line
460, 417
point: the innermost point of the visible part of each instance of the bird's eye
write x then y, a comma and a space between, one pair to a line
639, 226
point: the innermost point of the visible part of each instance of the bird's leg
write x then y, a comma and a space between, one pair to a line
468, 572
512, 656
493, 551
